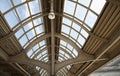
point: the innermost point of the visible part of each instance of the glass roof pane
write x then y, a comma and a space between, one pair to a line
11, 18
23, 11
5, 5
42, 43
35, 47
16, 2
75, 52
31, 34
76, 27
84, 33
34, 7
67, 21
69, 47
90, 19
74, 34
84, 2
97, 5
81, 40
80, 12
65, 29
69, 7
23, 40
37, 21
39, 29
29, 53
28, 26
60, 51
63, 42
19, 33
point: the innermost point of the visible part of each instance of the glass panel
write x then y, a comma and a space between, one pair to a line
80, 12
60, 51
11, 18
37, 21
76, 27
73, 34
34, 7
67, 21
35, 47
84, 33
63, 42
42, 43
16, 2
31, 34
19, 33
23, 40
39, 29
97, 5
23, 11
28, 26
69, 7
65, 29
29, 53
81, 40
75, 52
84, 2
5, 5
90, 19
69, 47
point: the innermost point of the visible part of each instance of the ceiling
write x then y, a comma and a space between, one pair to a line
83, 37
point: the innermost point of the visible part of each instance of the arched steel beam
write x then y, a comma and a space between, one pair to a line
19, 25
27, 20
23, 59
80, 59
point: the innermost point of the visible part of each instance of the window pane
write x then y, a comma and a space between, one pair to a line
11, 18
76, 27
97, 5
69, 7
28, 26
91, 19
69, 47
34, 7
31, 34
84, 2
37, 21
29, 53
35, 47
23, 11
42, 43
39, 29
63, 42
84, 33
19, 33
81, 40
5, 5
67, 21
65, 29
23, 40
73, 34
80, 12
16, 2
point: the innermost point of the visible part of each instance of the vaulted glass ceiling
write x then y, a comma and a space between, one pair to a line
22, 17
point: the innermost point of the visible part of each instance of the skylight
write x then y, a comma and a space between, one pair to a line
86, 13
67, 51
15, 11
37, 52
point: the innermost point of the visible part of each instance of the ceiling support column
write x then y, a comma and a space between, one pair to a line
52, 43
52, 49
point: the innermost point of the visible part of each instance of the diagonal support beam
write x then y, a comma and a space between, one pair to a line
23, 59
6, 58
83, 57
